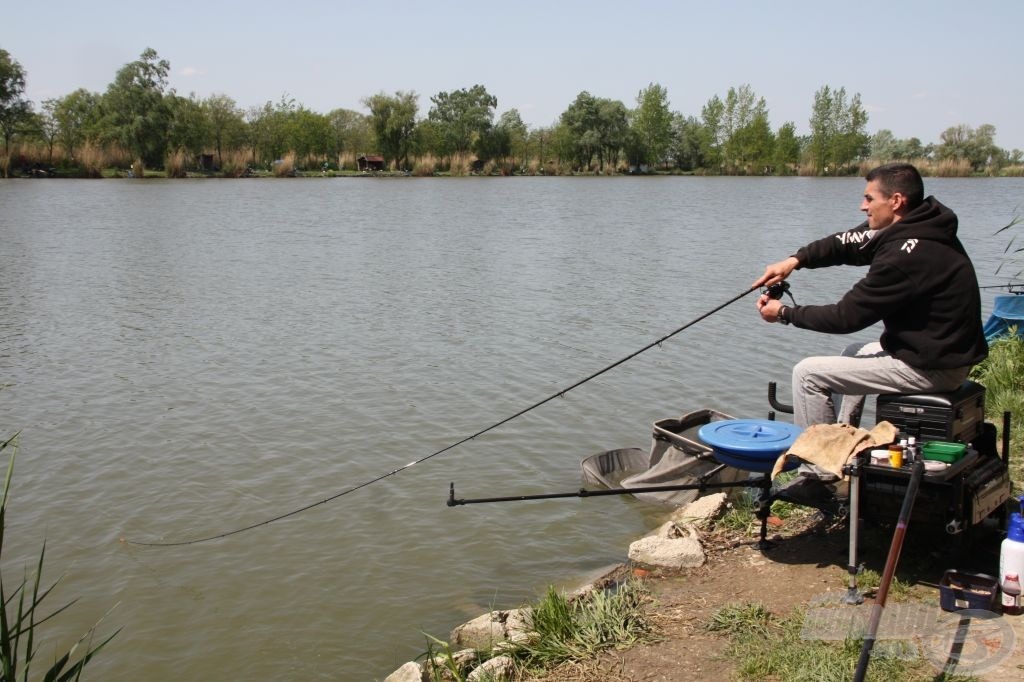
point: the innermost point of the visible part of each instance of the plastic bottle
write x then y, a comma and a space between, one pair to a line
1011, 552
910, 452
1011, 594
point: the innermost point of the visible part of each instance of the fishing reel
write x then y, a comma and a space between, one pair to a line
775, 291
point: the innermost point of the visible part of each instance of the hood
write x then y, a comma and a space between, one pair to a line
931, 220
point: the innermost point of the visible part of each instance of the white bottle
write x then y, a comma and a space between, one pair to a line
1011, 552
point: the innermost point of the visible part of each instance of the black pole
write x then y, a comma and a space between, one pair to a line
582, 492
890, 569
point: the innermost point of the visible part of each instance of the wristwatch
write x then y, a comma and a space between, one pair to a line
783, 310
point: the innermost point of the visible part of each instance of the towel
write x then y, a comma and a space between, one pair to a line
830, 446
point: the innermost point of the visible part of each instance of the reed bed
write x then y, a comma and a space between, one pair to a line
176, 164
287, 166
234, 163
952, 168
347, 161
425, 166
460, 165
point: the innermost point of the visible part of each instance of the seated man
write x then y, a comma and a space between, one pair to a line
920, 284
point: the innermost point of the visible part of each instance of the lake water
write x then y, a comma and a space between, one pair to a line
185, 358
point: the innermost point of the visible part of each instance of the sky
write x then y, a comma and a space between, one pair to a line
919, 67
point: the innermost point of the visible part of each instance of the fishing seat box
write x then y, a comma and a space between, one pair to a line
955, 416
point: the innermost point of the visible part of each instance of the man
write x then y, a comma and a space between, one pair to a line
920, 284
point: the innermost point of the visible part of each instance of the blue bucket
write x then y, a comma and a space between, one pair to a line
749, 444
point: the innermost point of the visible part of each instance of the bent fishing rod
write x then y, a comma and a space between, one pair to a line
775, 291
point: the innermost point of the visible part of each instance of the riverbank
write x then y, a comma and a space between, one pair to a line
699, 616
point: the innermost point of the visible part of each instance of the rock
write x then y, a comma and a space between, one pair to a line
671, 547
481, 633
439, 666
702, 511
495, 670
410, 672
519, 625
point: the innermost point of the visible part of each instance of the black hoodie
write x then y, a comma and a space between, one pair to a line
921, 285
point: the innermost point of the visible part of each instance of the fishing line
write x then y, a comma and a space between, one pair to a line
493, 426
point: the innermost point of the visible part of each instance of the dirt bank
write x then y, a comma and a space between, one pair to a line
807, 560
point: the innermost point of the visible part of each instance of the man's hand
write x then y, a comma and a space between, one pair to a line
776, 272
769, 308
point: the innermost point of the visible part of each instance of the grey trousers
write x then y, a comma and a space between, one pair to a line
821, 383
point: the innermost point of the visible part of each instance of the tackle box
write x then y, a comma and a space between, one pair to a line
955, 416
960, 590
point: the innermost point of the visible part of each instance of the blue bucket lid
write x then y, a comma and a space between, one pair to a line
1015, 531
751, 436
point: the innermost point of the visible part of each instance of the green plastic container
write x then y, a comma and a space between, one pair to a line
943, 451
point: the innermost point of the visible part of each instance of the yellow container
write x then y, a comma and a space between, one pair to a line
895, 456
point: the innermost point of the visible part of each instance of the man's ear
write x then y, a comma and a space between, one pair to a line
899, 201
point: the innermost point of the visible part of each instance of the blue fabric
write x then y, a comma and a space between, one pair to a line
1008, 311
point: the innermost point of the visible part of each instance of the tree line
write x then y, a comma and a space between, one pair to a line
140, 121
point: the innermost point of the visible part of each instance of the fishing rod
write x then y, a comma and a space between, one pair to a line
775, 291
890, 568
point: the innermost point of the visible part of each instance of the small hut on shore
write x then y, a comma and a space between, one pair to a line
370, 163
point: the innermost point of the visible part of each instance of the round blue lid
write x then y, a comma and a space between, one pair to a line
749, 435
1015, 531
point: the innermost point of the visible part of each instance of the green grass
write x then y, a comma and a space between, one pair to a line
764, 646
578, 629
1002, 375
22, 614
563, 629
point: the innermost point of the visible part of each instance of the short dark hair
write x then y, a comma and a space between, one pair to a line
899, 177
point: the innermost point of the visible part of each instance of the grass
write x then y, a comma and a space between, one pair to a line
579, 629
564, 630
22, 615
1002, 375
764, 646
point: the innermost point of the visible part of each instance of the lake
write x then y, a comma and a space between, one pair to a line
187, 358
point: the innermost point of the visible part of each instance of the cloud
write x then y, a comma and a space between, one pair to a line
920, 95
190, 71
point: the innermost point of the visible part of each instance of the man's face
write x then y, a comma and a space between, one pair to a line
881, 209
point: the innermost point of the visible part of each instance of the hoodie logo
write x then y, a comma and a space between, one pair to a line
908, 245
854, 237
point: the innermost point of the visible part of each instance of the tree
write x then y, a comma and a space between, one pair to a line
393, 119
652, 123
15, 110
838, 134
512, 123
593, 127
350, 131
49, 126
269, 129
712, 136
687, 142
79, 117
310, 135
138, 116
462, 117
787, 148
976, 146
189, 127
227, 125
747, 139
